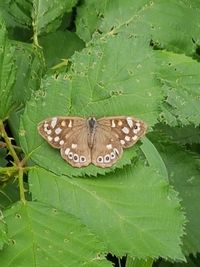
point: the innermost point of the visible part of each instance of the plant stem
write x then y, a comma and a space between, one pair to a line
21, 185
8, 143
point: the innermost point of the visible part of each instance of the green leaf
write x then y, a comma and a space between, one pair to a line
153, 157
183, 168
30, 69
170, 25
180, 77
60, 45
3, 231
182, 135
133, 210
9, 194
7, 73
44, 236
88, 18
94, 86
47, 15
3, 154
16, 13
131, 262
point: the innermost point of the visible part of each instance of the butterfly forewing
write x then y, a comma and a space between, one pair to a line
56, 130
128, 130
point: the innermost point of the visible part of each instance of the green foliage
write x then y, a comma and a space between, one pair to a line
117, 203
100, 58
3, 231
7, 74
42, 235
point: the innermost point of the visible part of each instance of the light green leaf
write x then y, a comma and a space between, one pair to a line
132, 262
99, 83
3, 231
47, 15
170, 25
89, 17
180, 77
183, 168
133, 210
153, 157
7, 73
44, 236
122, 82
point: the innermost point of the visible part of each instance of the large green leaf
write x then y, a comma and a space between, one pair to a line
3, 231
133, 211
183, 168
7, 73
168, 24
99, 83
180, 78
44, 236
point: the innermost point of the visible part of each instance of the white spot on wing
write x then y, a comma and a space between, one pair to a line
107, 158
76, 158
127, 138
53, 122
63, 123
56, 139
122, 142
61, 142
74, 146
70, 124
100, 159
109, 146
116, 151
67, 151
134, 137
130, 122
82, 159
58, 130
48, 131
113, 124
125, 130
49, 138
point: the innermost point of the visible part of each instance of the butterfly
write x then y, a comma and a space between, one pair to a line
98, 141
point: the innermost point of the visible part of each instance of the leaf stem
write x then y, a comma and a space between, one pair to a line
21, 185
9, 144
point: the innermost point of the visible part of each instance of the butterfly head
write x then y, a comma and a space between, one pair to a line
92, 123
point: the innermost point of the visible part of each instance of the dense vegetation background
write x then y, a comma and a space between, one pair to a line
100, 58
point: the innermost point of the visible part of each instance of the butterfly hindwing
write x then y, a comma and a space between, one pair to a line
76, 150
106, 148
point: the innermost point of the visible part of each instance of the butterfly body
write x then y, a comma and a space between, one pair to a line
99, 141
91, 124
